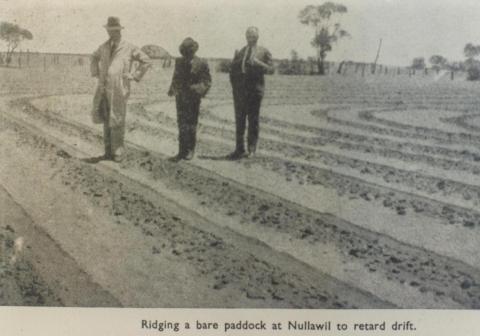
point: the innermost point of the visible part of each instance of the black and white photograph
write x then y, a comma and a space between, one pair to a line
240, 154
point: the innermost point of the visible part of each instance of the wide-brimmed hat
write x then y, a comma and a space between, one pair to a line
113, 23
188, 46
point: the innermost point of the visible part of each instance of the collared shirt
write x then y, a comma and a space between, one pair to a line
113, 46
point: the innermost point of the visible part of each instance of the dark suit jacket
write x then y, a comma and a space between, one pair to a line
254, 77
191, 79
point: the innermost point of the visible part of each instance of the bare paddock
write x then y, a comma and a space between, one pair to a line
364, 193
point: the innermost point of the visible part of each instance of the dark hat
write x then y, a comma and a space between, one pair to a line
188, 47
113, 23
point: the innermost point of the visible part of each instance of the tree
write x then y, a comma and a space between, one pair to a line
224, 66
471, 51
295, 62
311, 64
472, 65
438, 62
418, 63
293, 66
294, 56
455, 67
326, 32
13, 35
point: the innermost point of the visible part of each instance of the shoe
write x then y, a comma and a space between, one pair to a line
189, 155
118, 158
176, 158
236, 155
251, 151
119, 154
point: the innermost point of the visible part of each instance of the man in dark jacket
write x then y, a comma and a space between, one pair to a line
191, 81
247, 78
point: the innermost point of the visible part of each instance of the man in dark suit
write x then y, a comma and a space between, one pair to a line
247, 77
190, 83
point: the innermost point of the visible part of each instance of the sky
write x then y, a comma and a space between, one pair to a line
408, 28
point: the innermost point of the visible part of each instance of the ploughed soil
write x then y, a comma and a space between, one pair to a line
354, 199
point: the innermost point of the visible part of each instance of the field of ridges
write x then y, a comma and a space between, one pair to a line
365, 193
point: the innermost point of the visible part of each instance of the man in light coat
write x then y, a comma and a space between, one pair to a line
115, 63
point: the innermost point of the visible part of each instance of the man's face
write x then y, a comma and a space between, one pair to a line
188, 55
114, 34
252, 37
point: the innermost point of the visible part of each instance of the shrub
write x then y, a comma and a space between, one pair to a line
224, 66
473, 73
473, 70
296, 67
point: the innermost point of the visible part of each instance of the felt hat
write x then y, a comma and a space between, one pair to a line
113, 23
188, 46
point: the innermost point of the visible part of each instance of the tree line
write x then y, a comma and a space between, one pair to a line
471, 64
327, 32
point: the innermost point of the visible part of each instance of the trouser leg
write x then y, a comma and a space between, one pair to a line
182, 147
181, 123
113, 132
194, 110
107, 139
117, 135
192, 137
182, 138
107, 135
240, 120
253, 112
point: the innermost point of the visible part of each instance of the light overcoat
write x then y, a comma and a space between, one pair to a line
114, 71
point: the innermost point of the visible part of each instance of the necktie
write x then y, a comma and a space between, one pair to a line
247, 56
113, 48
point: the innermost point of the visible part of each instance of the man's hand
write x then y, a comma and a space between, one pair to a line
256, 61
171, 93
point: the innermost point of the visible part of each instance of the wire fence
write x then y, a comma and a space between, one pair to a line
46, 61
